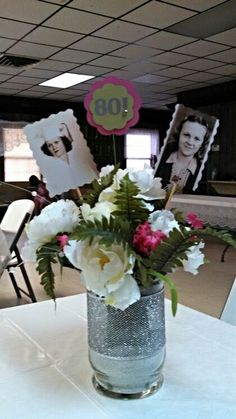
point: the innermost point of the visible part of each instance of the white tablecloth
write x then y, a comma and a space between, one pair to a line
45, 373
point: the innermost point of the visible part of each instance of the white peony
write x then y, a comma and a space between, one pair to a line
58, 217
150, 187
100, 209
105, 272
163, 220
195, 259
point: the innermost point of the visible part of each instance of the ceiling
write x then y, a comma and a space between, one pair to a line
163, 47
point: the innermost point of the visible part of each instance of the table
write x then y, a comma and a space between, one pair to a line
217, 211
45, 370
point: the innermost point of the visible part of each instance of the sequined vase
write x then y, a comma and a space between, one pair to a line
127, 348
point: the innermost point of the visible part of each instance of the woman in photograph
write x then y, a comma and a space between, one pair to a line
182, 158
58, 143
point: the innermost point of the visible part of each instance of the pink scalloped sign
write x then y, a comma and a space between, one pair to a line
112, 106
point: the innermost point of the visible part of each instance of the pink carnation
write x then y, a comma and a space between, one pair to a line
63, 240
145, 240
194, 221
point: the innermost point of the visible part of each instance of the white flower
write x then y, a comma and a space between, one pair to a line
150, 187
163, 220
106, 272
195, 259
100, 209
58, 217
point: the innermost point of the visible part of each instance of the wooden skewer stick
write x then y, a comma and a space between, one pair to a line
173, 189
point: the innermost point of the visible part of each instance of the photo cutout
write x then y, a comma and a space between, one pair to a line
61, 152
185, 149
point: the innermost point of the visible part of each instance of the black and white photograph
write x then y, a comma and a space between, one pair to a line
185, 149
61, 152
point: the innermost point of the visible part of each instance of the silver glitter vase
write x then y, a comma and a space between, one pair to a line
127, 348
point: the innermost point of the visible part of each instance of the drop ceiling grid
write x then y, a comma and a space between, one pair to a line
141, 49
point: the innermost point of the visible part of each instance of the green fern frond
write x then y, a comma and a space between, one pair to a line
46, 256
106, 231
96, 187
171, 252
222, 235
129, 207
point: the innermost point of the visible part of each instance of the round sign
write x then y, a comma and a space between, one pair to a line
112, 106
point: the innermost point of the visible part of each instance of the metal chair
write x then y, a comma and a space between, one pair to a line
229, 310
12, 225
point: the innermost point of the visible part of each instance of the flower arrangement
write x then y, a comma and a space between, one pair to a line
121, 236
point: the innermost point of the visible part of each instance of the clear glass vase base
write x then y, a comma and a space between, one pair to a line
127, 396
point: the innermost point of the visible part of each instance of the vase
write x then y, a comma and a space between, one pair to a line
127, 348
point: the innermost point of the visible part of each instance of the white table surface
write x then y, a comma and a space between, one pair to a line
45, 373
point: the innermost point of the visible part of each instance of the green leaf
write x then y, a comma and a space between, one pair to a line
96, 187
46, 256
129, 207
106, 231
172, 288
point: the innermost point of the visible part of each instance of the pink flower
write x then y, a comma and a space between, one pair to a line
193, 220
63, 240
145, 240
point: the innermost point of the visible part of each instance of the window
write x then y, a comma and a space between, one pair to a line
19, 163
141, 146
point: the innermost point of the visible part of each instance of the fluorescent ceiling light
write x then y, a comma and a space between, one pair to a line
66, 80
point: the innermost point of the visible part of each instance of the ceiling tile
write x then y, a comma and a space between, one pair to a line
228, 56
150, 78
200, 76
124, 31
57, 96
220, 80
158, 15
10, 70
212, 21
43, 89
112, 8
30, 93
4, 77
201, 64
40, 73
91, 70
170, 58
94, 44
55, 65
198, 5
72, 55
8, 92
32, 50
19, 86
13, 29
165, 40
142, 67
225, 70
43, 35
111, 61
5, 44
76, 21
226, 37
136, 51
175, 72
176, 82
201, 48
31, 11
26, 80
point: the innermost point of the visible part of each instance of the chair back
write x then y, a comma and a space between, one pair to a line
15, 214
229, 311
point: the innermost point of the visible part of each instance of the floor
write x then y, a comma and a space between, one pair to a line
205, 292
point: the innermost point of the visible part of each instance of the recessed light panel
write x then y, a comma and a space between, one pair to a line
66, 80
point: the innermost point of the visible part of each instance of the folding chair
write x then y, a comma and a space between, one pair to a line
12, 225
229, 310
